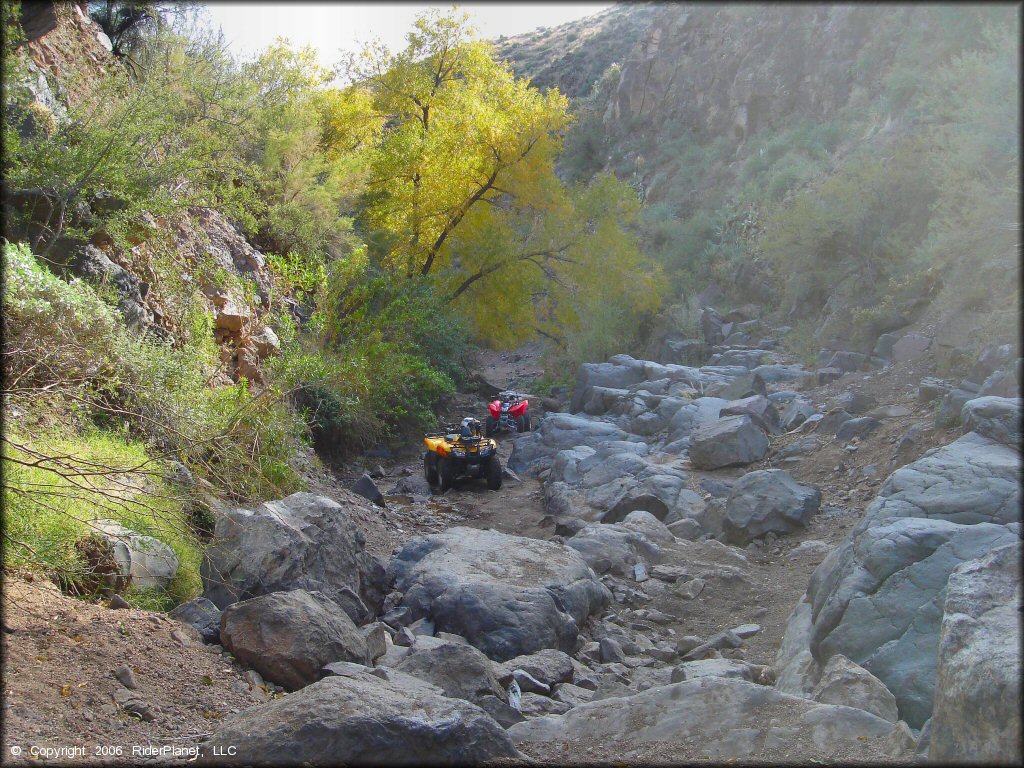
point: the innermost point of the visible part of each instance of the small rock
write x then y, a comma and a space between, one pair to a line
690, 589
744, 631
528, 683
610, 651
118, 602
640, 572
126, 677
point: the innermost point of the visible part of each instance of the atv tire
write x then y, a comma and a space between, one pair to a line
521, 424
526, 422
446, 474
430, 469
493, 473
490, 426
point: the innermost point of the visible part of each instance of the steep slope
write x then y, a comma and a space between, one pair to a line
572, 56
850, 166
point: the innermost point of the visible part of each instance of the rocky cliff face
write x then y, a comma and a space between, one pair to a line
735, 71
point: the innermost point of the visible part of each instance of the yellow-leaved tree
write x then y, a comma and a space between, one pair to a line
459, 125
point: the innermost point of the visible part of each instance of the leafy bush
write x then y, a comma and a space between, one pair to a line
55, 483
62, 333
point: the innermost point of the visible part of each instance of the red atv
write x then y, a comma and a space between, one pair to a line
509, 413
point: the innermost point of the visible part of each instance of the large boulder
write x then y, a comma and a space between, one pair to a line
843, 682
507, 595
362, 720
614, 548
289, 636
534, 451
301, 542
768, 501
547, 666
148, 561
878, 597
759, 409
703, 410
720, 717
997, 418
618, 478
732, 441
977, 688
971, 480
460, 670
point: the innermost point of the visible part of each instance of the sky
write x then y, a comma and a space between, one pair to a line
335, 27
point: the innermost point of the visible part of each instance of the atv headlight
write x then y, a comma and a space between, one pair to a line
458, 452
485, 450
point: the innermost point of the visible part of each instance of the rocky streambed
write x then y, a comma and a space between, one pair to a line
741, 560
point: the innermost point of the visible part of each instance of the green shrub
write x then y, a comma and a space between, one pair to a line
62, 333
56, 482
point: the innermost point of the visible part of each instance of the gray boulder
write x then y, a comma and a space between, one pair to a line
533, 452
288, 637
843, 682
549, 666
615, 480
732, 441
853, 402
977, 714
997, 418
768, 501
971, 480
859, 427
368, 489
201, 614
301, 542
718, 717
148, 561
759, 409
832, 421
460, 670
796, 413
703, 410
951, 407
507, 595
367, 720
775, 374
877, 599
613, 548
730, 668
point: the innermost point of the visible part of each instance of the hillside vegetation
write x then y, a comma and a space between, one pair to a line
211, 262
851, 168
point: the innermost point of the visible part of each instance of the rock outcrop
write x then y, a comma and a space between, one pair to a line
300, 542
719, 714
878, 598
289, 636
507, 595
366, 719
977, 715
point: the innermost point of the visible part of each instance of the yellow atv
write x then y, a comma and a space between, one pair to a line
458, 450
